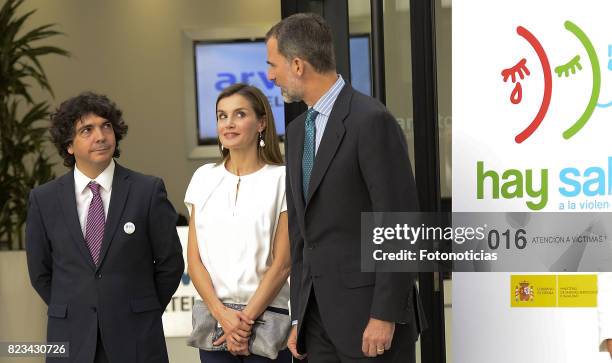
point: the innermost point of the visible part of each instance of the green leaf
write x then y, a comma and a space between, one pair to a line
23, 130
36, 34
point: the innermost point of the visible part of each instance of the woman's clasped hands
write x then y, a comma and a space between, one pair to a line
237, 328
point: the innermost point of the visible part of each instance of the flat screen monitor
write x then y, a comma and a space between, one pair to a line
219, 64
361, 64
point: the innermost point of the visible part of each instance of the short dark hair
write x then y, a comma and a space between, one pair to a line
306, 36
64, 119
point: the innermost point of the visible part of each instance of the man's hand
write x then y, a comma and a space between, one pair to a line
377, 337
292, 343
609, 345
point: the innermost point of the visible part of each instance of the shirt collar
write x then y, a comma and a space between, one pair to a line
105, 179
325, 104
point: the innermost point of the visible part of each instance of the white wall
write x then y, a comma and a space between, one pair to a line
23, 314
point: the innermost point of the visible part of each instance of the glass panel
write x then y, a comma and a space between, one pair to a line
444, 75
444, 69
398, 65
360, 45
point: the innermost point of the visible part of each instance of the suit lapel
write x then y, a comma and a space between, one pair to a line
119, 194
296, 151
71, 217
332, 137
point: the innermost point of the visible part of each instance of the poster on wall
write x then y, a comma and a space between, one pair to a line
532, 109
177, 317
533, 93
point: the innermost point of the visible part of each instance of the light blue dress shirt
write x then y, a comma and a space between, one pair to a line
324, 107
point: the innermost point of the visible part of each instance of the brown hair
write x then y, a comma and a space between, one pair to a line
306, 36
270, 154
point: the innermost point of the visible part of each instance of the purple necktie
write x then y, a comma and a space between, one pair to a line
94, 231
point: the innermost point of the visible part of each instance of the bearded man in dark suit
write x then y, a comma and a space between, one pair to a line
345, 155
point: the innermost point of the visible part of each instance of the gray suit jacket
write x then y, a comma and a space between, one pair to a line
361, 165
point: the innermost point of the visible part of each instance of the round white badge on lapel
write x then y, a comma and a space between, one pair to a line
129, 228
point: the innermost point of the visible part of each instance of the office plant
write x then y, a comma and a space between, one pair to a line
23, 129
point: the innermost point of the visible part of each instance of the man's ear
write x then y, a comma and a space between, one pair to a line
297, 65
69, 149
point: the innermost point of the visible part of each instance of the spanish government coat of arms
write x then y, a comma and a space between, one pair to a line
523, 291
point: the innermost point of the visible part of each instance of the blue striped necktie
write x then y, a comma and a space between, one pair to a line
309, 149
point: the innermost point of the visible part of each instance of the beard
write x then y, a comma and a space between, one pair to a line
292, 93
290, 97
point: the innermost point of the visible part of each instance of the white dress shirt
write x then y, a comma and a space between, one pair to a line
84, 194
604, 308
235, 229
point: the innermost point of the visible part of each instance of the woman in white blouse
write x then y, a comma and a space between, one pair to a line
238, 249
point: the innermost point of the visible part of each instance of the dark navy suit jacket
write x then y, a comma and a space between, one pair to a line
125, 295
361, 165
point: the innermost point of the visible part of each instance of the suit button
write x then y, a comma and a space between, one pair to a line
93, 308
98, 276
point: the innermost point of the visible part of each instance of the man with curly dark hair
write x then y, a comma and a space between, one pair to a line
75, 109
101, 243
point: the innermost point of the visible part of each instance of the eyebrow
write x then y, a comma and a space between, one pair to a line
85, 125
238, 109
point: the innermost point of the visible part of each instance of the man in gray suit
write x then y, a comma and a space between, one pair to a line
345, 155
